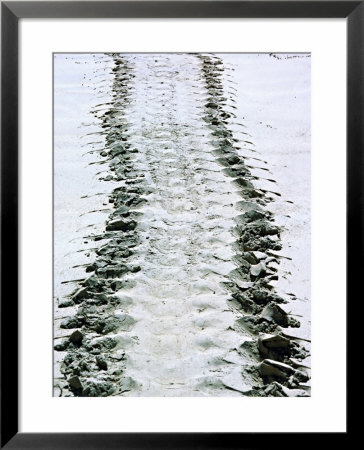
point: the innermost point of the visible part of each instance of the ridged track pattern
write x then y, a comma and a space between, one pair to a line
180, 293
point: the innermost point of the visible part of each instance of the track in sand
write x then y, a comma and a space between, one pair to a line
178, 296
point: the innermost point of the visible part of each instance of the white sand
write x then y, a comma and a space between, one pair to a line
182, 333
74, 96
274, 100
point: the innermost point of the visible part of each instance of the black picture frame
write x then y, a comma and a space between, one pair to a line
11, 12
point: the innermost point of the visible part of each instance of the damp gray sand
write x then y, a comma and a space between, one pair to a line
169, 284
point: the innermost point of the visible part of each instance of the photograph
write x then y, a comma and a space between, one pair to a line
181, 224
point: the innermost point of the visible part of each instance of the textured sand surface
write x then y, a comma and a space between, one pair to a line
181, 225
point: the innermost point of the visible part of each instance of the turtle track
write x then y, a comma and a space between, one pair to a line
95, 356
180, 296
277, 354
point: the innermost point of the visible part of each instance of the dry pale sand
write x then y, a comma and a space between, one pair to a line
181, 225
